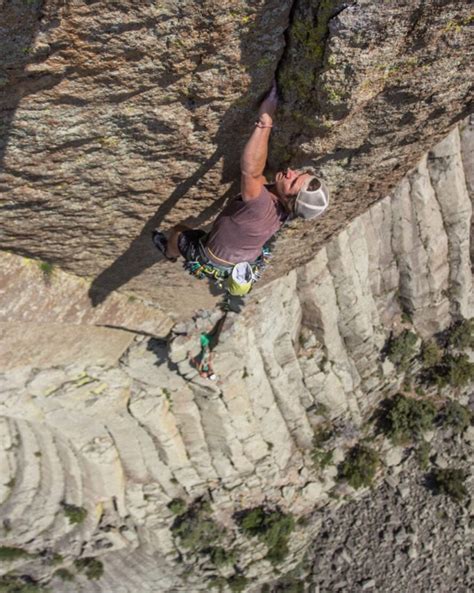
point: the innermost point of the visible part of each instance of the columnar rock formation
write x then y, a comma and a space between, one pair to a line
121, 442
120, 116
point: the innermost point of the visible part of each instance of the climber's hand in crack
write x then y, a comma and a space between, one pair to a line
269, 105
254, 156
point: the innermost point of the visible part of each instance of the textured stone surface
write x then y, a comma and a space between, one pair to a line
49, 345
120, 116
387, 542
30, 294
123, 439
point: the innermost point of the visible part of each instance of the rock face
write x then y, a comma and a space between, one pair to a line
94, 458
117, 117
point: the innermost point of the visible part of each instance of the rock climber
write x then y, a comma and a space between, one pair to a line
244, 226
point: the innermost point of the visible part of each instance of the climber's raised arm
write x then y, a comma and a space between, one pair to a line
254, 155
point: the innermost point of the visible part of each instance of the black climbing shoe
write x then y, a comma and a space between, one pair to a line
161, 243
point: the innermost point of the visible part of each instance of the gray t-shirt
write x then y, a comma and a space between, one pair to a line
243, 227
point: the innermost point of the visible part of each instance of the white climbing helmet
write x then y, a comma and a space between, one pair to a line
312, 199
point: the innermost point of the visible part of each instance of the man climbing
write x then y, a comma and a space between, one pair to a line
233, 247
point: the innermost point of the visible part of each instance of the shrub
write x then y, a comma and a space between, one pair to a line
401, 349
430, 353
408, 418
359, 467
177, 506
290, 585
455, 370
423, 454
23, 584
237, 583
273, 528
451, 482
92, 567
221, 557
461, 334
11, 553
456, 416
195, 528
73, 513
320, 457
64, 574
56, 559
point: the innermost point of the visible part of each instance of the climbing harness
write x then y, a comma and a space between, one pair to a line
229, 277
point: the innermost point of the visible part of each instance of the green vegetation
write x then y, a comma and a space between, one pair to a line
308, 35
273, 528
236, 583
360, 466
423, 454
322, 457
64, 574
407, 418
169, 399
73, 513
431, 354
56, 559
461, 335
290, 585
47, 268
10, 553
455, 370
177, 506
23, 584
402, 349
195, 528
456, 416
92, 567
221, 557
451, 482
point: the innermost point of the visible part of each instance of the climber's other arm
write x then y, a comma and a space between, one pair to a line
254, 155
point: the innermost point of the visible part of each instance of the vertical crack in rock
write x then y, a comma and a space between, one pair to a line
299, 69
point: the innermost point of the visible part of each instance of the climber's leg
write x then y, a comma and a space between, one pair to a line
172, 249
169, 246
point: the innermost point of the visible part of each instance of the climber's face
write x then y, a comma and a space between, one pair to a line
289, 182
